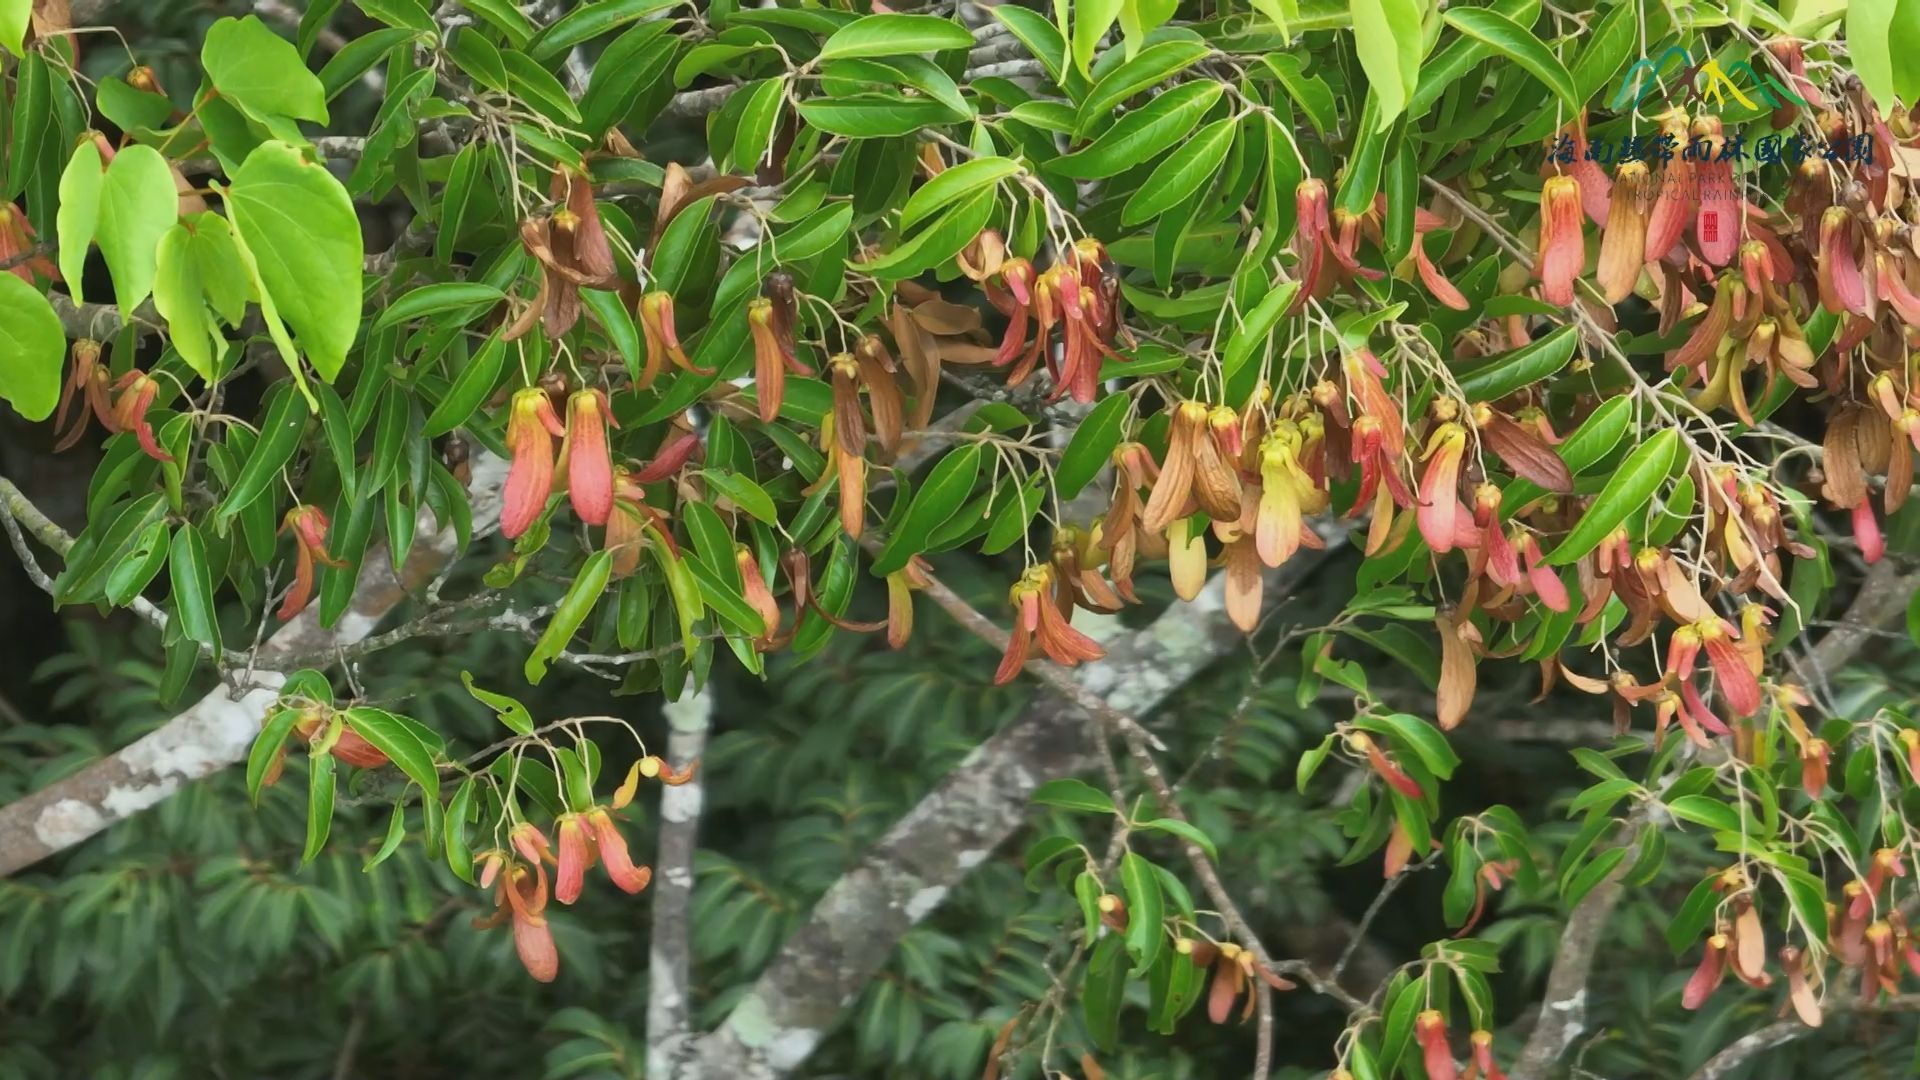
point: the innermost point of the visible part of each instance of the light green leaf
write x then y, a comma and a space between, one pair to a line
32, 349
304, 237
198, 266
1141, 134
14, 17
1388, 38
1870, 46
261, 72
895, 35
1705, 811
1091, 21
138, 204
79, 213
1627, 490
1516, 43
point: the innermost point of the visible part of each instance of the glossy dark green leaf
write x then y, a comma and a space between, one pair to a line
589, 21
193, 589
281, 434
1628, 490
1093, 442
1181, 175
895, 35
1517, 44
472, 385
1146, 936
1500, 375
1143, 133
936, 500
1152, 65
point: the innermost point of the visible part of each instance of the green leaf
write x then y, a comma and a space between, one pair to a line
1628, 490
1424, 739
1591, 875
1146, 934
406, 13
950, 185
1142, 133
537, 87
394, 738
1092, 444
1310, 92
505, 17
758, 118
79, 213
1105, 989
261, 72
320, 792
1074, 794
589, 21
1592, 441
1517, 44
358, 57
895, 35
511, 713
1694, 912
1091, 21
138, 204
459, 821
471, 388
1870, 39
470, 296
1706, 811
193, 589
1388, 37
574, 608
266, 746
1040, 36
280, 436
744, 493
1155, 64
873, 116
1185, 830
935, 501
32, 349
1181, 174
1310, 762
1250, 339
396, 832
301, 229
1501, 375
14, 17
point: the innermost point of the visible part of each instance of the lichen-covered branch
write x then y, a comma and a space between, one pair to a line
669, 960
218, 729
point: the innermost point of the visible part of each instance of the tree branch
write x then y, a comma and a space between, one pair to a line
668, 964
909, 872
1774, 1036
218, 730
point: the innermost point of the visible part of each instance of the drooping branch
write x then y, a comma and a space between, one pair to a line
218, 729
910, 871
